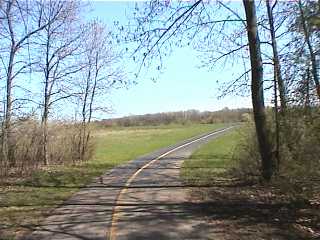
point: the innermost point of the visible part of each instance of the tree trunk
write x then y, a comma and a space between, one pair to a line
46, 98
276, 61
306, 33
7, 117
265, 147
307, 100
8, 111
83, 128
277, 81
44, 125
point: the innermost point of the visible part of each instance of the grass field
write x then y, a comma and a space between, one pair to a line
211, 161
26, 205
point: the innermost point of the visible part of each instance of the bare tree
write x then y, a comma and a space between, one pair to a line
21, 21
276, 60
298, 36
99, 75
265, 146
306, 32
59, 47
277, 79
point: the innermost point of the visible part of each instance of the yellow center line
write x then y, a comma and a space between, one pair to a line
115, 212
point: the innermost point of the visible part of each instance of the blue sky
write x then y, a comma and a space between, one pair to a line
181, 86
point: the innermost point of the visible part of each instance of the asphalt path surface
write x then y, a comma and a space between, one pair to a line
143, 199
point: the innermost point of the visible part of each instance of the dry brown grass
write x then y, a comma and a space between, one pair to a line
26, 149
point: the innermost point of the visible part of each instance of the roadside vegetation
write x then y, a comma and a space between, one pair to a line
25, 201
226, 171
213, 161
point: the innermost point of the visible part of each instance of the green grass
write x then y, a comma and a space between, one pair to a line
113, 147
211, 161
118, 146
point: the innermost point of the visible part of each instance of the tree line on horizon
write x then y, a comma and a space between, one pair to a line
180, 117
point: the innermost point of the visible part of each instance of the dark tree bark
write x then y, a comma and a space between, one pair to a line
265, 147
277, 81
276, 61
9, 81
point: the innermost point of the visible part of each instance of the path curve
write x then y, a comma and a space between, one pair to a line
143, 199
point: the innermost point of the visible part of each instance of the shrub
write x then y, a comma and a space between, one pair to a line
299, 155
247, 155
26, 149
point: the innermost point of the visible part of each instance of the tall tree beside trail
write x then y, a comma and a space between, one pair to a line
257, 91
277, 79
276, 60
21, 20
58, 46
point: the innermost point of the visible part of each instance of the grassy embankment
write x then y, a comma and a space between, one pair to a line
26, 203
211, 161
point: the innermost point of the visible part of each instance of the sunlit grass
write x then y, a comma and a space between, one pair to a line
211, 161
116, 147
